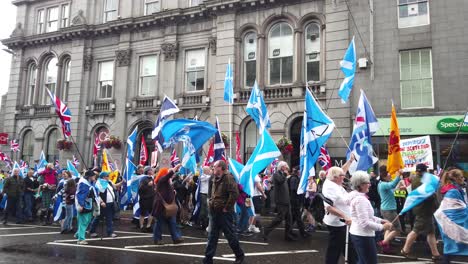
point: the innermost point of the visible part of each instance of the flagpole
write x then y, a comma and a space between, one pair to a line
230, 130
455, 140
79, 153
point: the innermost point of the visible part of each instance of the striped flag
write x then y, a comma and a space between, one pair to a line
14, 145
63, 113
324, 159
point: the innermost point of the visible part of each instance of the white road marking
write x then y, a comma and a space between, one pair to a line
273, 253
13, 228
173, 245
30, 234
54, 227
139, 251
425, 260
104, 238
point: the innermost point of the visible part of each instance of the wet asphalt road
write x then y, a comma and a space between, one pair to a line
38, 244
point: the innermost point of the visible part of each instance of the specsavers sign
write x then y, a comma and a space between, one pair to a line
452, 125
423, 125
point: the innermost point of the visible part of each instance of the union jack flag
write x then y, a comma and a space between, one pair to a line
5, 158
23, 164
174, 159
75, 162
63, 113
14, 145
324, 159
273, 166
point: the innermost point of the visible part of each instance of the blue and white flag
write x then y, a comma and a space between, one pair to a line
196, 210
17, 166
348, 67
188, 158
194, 132
429, 186
317, 127
452, 217
218, 146
168, 108
131, 141
71, 168
264, 153
40, 167
125, 193
101, 185
361, 140
228, 85
257, 109
235, 168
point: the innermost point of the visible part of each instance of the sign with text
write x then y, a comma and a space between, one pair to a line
3, 139
415, 151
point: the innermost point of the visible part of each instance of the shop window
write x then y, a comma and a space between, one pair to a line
250, 59
312, 52
195, 70
148, 73
416, 79
106, 79
280, 54
412, 13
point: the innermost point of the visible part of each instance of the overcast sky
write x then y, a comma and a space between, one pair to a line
8, 21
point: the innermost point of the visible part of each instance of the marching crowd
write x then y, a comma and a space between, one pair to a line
360, 211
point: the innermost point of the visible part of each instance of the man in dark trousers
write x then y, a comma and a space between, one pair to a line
297, 201
283, 207
13, 188
224, 194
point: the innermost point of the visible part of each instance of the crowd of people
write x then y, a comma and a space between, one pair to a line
360, 211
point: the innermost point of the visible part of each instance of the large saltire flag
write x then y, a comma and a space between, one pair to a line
452, 217
72, 169
126, 195
429, 186
348, 67
168, 108
131, 141
228, 85
180, 130
235, 168
365, 126
317, 127
394, 160
257, 109
40, 167
63, 113
105, 163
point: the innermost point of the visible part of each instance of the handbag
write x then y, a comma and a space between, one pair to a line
170, 209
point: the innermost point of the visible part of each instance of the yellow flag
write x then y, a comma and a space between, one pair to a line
113, 176
105, 164
395, 162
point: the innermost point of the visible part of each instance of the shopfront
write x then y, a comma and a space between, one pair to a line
442, 131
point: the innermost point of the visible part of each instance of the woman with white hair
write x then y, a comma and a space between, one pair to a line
363, 222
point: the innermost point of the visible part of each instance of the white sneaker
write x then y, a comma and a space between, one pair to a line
93, 235
254, 229
82, 242
113, 235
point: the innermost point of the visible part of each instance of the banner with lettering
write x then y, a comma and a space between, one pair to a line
415, 151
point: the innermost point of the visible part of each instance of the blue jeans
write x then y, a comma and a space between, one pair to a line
221, 222
28, 205
108, 213
67, 222
366, 249
171, 223
242, 219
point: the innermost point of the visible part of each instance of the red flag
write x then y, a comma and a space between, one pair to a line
3, 138
96, 146
210, 155
143, 151
238, 155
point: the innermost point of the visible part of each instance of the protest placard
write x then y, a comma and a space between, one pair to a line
415, 151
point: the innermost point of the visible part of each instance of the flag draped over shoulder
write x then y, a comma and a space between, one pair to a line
348, 67
365, 126
63, 113
395, 161
168, 108
257, 109
179, 130
228, 85
429, 185
317, 127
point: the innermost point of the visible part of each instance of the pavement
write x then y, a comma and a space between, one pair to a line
31, 243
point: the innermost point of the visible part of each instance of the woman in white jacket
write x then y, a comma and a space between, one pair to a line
364, 223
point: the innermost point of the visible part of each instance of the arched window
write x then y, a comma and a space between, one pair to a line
50, 80
27, 147
250, 59
52, 152
312, 52
250, 139
31, 84
280, 54
66, 80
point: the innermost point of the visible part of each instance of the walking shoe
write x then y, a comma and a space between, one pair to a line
384, 246
178, 241
113, 235
93, 235
310, 228
254, 229
407, 255
239, 259
82, 242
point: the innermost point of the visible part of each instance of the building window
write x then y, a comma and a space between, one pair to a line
27, 147
32, 78
280, 54
66, 79
148, 72
250, 59
194, 2
106, 79
250, 139
50, 80
52, 19
52, 151
152, 6
412, 13
416, 79
312, 52
65, 16
195, 70
40, 21
110, 10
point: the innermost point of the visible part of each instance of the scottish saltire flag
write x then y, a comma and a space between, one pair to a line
72, 169
235, 168
264, 153
40, 167
168, 108
429, 186
365, 126
348, 67
125, 193
174, 159
324, 159
196, 210
131, 141
63, 113
194, 132
58, 211
452, 219
16, 166
219, 148
14, 145
257, 109
228, 85
188, 158
317, 127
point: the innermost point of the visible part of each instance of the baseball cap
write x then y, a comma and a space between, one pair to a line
421, 167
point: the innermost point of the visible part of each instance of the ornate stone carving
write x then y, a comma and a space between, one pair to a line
79, 19
212, 45
87, 62
123, 57
170, 50
18, 31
